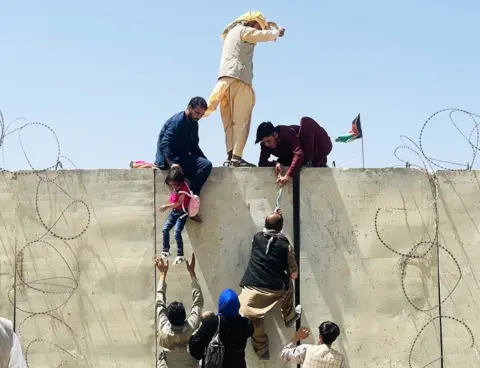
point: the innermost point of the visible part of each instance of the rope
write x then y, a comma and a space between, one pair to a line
279, 195
279, 198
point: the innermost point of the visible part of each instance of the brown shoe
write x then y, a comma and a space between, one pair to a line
197, 218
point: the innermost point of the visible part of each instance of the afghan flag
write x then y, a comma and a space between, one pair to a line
354, 133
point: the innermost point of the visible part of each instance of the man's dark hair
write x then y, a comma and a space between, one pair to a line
176, 314
175, 175
274, 222
198, 102
329, 332
265, 129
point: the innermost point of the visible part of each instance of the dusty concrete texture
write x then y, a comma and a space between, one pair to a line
234, 206
7, 249
85, 284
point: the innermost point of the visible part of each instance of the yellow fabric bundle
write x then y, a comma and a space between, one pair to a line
250, 17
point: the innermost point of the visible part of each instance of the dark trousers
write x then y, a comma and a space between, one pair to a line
316, 143
196, 170
179, 223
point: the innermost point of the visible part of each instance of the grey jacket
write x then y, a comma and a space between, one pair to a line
173, 341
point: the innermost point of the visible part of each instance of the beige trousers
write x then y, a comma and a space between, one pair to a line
237, 100
256, 303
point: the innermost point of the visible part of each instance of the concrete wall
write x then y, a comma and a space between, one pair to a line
87, 296
84, 243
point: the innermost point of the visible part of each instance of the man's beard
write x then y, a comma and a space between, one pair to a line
191, 119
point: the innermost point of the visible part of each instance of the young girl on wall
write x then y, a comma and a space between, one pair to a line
179, 203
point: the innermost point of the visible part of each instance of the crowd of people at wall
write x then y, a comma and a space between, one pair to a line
220, 340
205, 339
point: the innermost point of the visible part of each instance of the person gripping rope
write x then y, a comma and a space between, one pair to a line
234, 91
306, 144
268, 281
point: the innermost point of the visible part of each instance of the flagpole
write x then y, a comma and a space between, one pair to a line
363, 155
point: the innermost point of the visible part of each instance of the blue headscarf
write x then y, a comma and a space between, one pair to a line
228, 303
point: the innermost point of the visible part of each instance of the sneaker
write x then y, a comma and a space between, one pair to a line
307, 164
240, 163
298, 314
227, 163
165, 255
179, 260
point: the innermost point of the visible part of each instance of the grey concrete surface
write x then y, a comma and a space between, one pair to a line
7, 248
459, 198
87, 295
234, 204
92, 270
350, 277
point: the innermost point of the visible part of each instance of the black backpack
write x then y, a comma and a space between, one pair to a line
215, 351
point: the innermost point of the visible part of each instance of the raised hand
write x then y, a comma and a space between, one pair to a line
161, 264
302, 333
191, 265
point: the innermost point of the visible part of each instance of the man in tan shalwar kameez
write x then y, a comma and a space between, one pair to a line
268, 281
234, 91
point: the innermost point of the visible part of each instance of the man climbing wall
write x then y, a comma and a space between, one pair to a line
268, 281
234, 91
307, 144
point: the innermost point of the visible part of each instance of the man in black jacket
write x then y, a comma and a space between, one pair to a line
267, 281
178, 145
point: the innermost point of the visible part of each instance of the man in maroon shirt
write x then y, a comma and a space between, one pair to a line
307, 144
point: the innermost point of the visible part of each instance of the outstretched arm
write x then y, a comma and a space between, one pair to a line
252, 35
295, 146
295, 354
161, 302
197, 296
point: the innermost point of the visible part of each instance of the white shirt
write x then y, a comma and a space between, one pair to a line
16, 357
328, 357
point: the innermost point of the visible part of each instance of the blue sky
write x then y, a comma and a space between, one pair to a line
105, 75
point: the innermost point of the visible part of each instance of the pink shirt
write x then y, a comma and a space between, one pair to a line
175, 196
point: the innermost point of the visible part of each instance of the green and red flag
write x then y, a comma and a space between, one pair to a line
354, 133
